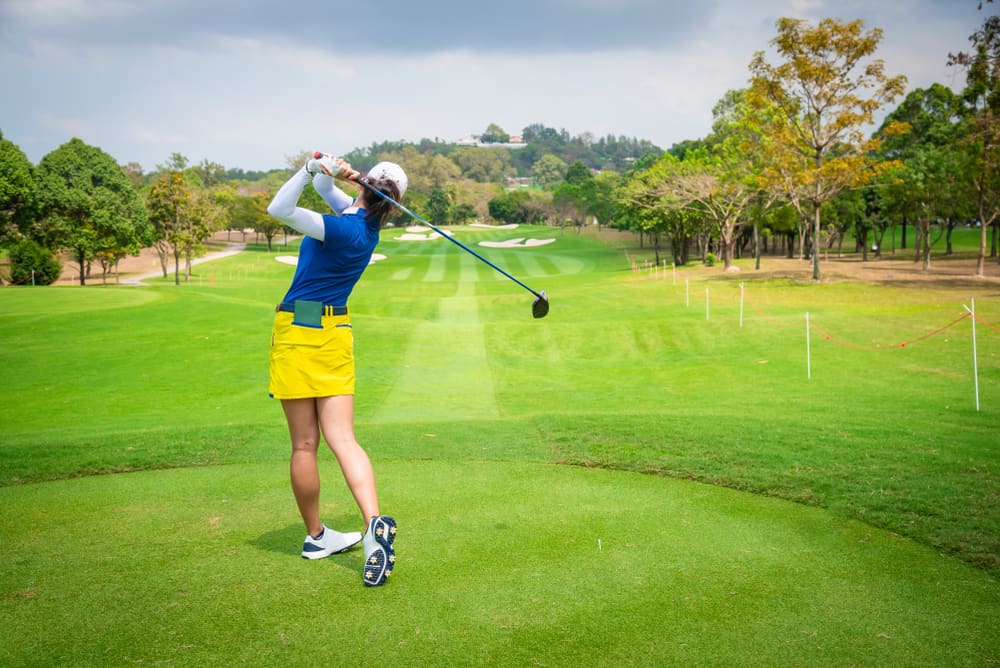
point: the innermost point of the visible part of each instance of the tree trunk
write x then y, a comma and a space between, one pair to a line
815, 241
927, 246
756, 246
81, 259
981, 260
177, 266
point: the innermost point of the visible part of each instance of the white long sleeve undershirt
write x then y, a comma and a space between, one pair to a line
336, 198
283, 207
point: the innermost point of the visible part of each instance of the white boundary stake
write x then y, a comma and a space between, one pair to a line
809, 373
673, 267
741, 306
975, 359
706, 304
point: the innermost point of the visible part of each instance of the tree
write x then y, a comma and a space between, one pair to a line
600, 196
569, 204
251, 211
982, 127
647, 204
425, 171
826, 91
31, 264
170, 206
578, 174
925, 186
482, 165
516, 207
438, 205
505, 207
714, 183
463, 213
89, 204
18, 192
133, 170
495, 135
209, 213
210, 173
549, 170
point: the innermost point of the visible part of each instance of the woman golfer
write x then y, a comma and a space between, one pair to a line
312, 350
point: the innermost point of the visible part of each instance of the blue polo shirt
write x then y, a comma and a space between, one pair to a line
328, 270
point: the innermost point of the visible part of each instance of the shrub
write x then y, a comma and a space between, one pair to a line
27, 256
710, 259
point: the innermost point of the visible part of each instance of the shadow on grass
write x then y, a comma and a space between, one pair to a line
288, 541
280, 541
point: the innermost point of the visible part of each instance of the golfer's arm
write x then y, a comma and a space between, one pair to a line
283, 207
331, 194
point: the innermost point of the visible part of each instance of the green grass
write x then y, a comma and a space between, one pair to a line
472, 411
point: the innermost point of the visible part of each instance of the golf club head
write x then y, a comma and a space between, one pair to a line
540, 307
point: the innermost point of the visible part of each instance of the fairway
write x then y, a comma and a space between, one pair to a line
636, 479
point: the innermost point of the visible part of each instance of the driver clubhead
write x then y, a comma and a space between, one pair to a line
540, 307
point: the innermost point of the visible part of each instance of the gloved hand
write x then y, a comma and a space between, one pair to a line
322, 163
331, 166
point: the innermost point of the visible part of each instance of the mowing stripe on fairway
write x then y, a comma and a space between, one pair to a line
430, 386
401, 275
436, 268
514, 564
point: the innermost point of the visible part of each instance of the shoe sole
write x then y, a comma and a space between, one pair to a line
379, 564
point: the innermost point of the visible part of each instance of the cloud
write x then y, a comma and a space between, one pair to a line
390, 26
247, 83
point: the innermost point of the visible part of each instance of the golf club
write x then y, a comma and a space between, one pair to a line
539, 308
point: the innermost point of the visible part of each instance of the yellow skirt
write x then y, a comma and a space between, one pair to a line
311, 362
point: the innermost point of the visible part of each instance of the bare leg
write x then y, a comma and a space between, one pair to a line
336, 417
303, 427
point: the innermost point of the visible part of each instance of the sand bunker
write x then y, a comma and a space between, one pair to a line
294, 259
417, 233
509, 226
519, 242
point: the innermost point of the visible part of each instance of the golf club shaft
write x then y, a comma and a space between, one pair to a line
458, 243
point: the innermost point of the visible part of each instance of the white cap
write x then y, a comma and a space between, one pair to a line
389, 171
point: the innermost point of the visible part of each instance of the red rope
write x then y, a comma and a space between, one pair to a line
987, 325
767, 317
22, 281
848, 344
903, 344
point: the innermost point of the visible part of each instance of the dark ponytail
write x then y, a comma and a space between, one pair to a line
379, 209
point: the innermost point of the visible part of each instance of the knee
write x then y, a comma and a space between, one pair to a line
305, 446
342, 442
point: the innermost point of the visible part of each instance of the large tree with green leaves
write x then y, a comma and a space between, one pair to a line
251, 211
170, 204
928, 184
647, 203
495, 134
89, 204
549, 170
982, 127
826, 91
484, 165
18, 192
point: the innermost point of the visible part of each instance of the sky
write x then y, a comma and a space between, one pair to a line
248, 84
